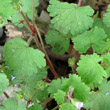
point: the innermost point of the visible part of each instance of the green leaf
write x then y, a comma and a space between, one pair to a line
80, 90
106, 63
42, 95
59, 43
12, 104
27, 7
4, 82
100, 100
67, 106
95, 38
69, 18
90, 70
35, 107
106, 17
60, 96
55, 85
30, 83
22, 59
6, 11
100, 24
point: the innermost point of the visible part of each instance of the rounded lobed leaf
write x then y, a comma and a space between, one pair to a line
60, 96
59, 43
69, 18
80, 90
95, 38
22, 59
12, 104
106, 18
101, 98
6, 11
90, 70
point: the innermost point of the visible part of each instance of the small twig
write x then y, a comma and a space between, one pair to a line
6, 95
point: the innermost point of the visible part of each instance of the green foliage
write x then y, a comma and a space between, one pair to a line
69, 18
42, 95
30, 83
67, 106
100, 24
26, 66
95, 38
21, 59
73, 83
27, 7
16, 18
12, 104
106, 17
35, 107
59, 43
60, 96
90, 70
6, 11
4, 82
106, 63
10, 10
77, 85
100, 100
71, 61
55, 85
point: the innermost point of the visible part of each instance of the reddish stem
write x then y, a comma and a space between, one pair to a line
6, 95
47, 60
22, 14
33, 17
80, 3
39, 46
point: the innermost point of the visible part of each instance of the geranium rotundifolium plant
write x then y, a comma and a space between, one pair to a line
75, 37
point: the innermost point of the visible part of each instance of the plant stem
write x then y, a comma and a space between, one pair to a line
80, 3
39, 46
22, 14
46, 55
33, 17
6, 95
42, 31
56, 107
34, 94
